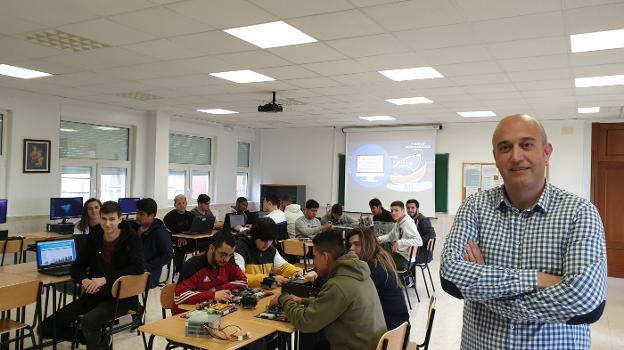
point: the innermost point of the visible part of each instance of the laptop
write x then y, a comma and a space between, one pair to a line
381, 228
202, 225
56, 257
237, 220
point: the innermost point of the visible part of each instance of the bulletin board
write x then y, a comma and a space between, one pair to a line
477, 177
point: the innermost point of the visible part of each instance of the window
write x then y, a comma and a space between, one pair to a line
190, 164
242, 175
95, 161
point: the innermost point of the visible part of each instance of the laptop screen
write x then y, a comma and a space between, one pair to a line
236, 220
55, 253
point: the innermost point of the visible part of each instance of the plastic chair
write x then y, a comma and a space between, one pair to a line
18, 296
297, 249
395, 339
425, 344
425, 266
15, 246
405, 274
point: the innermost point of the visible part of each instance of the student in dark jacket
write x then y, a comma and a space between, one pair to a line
179, 220
425, 229
379, 212
113, 250
157, 248
362, 241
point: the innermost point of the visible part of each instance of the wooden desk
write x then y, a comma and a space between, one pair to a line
172, 328
33, 237
29, 271
195, 236
308, 242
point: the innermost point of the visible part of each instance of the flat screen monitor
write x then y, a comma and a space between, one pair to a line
128, 205
65, 208
3, 210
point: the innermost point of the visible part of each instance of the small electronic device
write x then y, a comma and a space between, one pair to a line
301, 288
194, 324
202, 225
55, 257
268, 282
273, 313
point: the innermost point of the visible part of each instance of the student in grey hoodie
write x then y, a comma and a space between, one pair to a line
308, 225
347, 307
292, 212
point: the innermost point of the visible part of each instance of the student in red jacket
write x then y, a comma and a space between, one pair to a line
210, 276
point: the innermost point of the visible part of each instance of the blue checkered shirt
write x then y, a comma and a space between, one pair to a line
562, 234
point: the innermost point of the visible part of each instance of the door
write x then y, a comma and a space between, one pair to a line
608, 189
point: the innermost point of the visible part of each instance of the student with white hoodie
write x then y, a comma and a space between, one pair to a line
293, 212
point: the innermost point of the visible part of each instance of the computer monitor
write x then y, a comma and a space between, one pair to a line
65, 208
3, 210
128, 205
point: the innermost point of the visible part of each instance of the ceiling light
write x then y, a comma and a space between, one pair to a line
273, 34
596, 41
216, 111
23, 73
588, 110
242, 76
607, 80
68, 130
106, 128
376, 118
412, 73
477, 114
409, 100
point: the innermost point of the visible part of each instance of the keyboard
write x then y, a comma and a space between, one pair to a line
56, 271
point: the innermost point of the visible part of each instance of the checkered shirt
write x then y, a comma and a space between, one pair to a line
562, 234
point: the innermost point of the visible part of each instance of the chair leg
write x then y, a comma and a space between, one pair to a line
415, 290
422, 270
407, 296
430, 278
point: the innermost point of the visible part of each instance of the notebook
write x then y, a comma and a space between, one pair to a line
56, 257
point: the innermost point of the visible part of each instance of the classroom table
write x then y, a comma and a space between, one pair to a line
194, 237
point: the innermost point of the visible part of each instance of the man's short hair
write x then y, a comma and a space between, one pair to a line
110, 207
336, 209
241, 200
312, 204
203, 198
415, 202
331, 242
265, 229
375, 202
271, 198
179, 197
223, 237
286, 198
147, 205
398, 204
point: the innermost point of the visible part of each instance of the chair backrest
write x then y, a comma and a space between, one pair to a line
432, 310
282, 231
412, 252
130, 285
394, 339
20, 294
167, 295
294, 247
12, 245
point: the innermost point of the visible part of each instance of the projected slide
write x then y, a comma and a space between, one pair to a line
390, 166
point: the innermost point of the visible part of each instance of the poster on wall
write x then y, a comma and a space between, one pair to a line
36, 156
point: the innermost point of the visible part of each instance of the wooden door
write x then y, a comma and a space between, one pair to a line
607, 189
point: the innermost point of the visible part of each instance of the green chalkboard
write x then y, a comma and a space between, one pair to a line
441, 182
341, 178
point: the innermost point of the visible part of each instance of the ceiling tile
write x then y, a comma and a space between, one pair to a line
12, 25
101, 58
595, 18
535, 63
468, 68
597, 57
300, 8
438, 37
456, 55
336, 67
161, 22
307, 53
308, 83
254, 59
212, 42
337, 25
106, 7
415, 14
22, 49
478, 10
544, 84
464, 80
584, 3
287, 72
162, 49
205, 64
394, 61
106, 32
533, 26
223, 14
368, 45
530, 47
48, 13
535, 75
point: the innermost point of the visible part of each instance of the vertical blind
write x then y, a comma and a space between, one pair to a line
186, 149
243, 154
89, 141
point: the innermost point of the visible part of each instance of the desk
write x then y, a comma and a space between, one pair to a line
308, 242
194, 237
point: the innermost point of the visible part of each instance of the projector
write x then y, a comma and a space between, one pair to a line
271, 107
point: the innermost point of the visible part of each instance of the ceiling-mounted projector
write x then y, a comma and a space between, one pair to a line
271, 107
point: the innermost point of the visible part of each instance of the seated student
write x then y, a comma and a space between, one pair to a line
347, 306
402, 237
257, 257
425, 229
378, 211
177, 221
308, 225
284, 201
113, 250
211, 275
270, 205
292, 212
240, 207
202, 210
362, 241
90, 216
336, 217
155, 238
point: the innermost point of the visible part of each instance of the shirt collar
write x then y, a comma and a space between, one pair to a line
542, 204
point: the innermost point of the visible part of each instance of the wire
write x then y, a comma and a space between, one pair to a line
220, 333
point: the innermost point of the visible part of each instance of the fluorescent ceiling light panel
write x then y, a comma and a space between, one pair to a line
217, 111
409, 100
68, 130
477, 114
273, 34
412, 73
17, 72
377, 118
607, 80
588, 110
596, 41
242, 76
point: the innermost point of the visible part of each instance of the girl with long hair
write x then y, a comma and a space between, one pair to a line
90, 216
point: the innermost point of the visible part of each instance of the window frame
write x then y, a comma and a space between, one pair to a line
244, 170
189, 168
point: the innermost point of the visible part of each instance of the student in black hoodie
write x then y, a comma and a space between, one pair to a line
177, 221
157, 248
113, 249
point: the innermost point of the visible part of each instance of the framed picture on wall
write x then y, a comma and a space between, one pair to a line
36, 156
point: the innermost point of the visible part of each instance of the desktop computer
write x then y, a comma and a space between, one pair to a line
63, 209
3, 214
